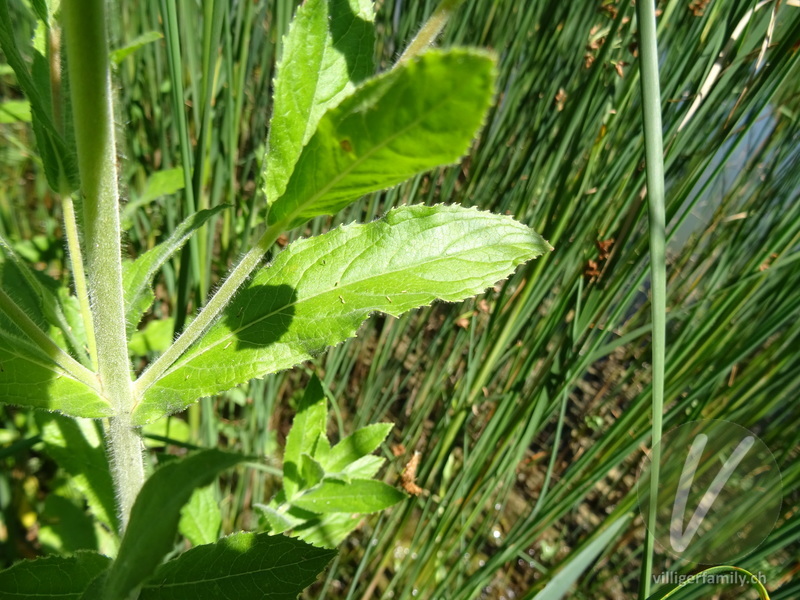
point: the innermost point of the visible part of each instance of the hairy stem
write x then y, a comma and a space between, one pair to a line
211, 310
432, 28
90, 87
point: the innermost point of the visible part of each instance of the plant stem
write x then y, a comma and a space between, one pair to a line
432, 28
78, 274
211, 310
654, 156
90, 87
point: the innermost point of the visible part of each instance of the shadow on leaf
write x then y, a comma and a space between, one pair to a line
347, 27
260, 315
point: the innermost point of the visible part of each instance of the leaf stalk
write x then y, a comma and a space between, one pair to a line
238, 276
78, 274
431, 30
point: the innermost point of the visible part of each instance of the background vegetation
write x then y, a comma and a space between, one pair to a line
529, 406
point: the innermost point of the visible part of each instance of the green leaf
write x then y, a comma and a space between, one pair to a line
64, 527
29, 377
77, 447
311, 471
242, 565
322, 448
327, 531
176, 430
358, 496
14, 58
359, 444
340, 477
308, 425
278, 521
161, 183
23, 283
63, 578
96, 588
156, 336
58, 160
364, 468
15, 111
42, 298
329, 47
41, 9
201, 517
154, 518
120, 54
138, 275
73, 320
420, 115
318, 292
